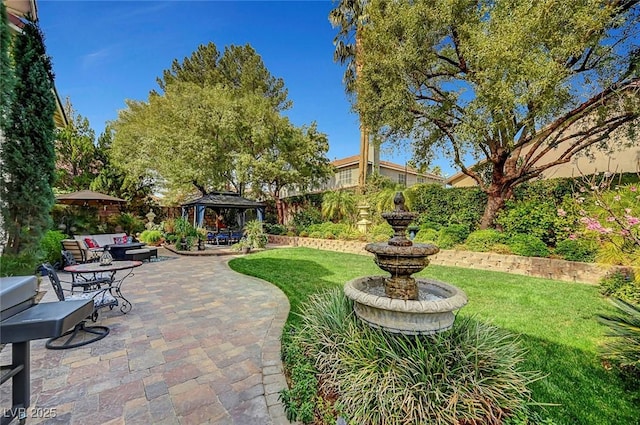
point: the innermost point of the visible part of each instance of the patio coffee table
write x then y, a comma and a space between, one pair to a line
118, 251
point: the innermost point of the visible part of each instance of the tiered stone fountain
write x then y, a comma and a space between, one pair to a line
401, 303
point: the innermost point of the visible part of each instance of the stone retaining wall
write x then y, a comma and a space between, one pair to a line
568, 271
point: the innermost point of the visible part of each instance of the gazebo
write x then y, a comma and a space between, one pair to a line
220, 201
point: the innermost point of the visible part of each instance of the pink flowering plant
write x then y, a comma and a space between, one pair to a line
611, 214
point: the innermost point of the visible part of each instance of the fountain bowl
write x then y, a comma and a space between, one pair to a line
431, 313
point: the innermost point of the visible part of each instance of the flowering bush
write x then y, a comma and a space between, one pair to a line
612, 216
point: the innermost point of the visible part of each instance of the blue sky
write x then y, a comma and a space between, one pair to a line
106, 52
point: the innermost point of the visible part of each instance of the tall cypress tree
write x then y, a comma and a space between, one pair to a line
7, 78
28, 154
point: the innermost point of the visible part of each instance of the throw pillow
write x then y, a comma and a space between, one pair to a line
119, 240
91, 243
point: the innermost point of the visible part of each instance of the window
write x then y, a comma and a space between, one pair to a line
402, 179
421, 180
344, 177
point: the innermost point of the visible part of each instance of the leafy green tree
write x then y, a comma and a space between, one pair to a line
523, 86
114, 181
239, 68
28, 155
76, 152
185, 138
217, 125
292, 158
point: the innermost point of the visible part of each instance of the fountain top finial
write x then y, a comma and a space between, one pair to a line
398, 201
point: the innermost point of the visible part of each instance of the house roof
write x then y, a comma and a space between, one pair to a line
355, 159
22, 7
224, 200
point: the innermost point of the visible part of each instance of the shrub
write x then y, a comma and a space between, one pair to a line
576, 250
470, 374
426, 236
169, 225
621, 283
379, 238
51, 246
484, 240
275, 229
183, 228
618, 253
316, 235
254, 235
303, 234
306, 217
445, 206
381, 232
299, 399
501, 248
625, 329
350, 235
151, 237
542, 214
528, 246
452, 235
22, 264
425, 223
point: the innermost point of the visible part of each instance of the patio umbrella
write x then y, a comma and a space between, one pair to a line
88, 198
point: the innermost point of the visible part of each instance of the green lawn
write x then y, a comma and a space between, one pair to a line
556, 321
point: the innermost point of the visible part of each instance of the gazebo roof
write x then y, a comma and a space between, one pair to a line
224, 200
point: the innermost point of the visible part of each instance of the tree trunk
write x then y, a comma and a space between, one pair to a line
279, 209
495, 203
364, 158
497, 195
364, 133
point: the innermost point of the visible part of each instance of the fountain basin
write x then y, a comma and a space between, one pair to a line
432, 312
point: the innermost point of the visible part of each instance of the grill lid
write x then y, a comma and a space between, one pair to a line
16, 294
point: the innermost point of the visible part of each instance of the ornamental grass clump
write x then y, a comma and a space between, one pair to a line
470, 374
624, 329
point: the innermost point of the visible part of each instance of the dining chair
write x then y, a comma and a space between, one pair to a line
85, 334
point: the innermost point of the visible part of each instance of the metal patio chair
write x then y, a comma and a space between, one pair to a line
81, 334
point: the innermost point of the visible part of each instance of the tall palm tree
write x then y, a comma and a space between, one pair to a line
348, 16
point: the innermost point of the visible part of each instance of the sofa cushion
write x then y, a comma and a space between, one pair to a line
120, 240
91, 243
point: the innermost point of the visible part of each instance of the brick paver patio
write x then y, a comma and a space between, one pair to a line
201, 345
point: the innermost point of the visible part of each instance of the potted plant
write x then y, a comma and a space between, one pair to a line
253, 237
254, 234
242, 245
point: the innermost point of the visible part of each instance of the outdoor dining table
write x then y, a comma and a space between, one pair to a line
115, 284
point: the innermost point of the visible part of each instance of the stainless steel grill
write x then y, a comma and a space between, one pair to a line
22, 320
